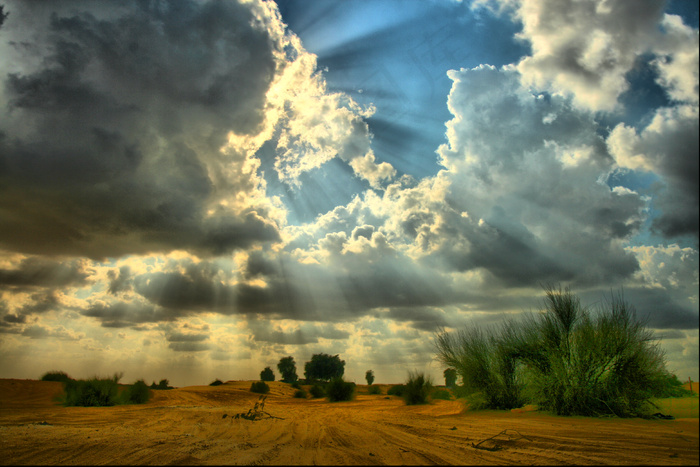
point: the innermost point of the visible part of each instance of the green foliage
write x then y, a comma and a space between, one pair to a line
288, 369
59, 376
324, 367
369, 376
374, 390
339, 390
267, 374
417, 389
163, 384
300, 394
137, 393
95, 392
296, 385
565, 359
260, 387
317, 391
671, 386
216, 382
441, 394
396, 390
450, 377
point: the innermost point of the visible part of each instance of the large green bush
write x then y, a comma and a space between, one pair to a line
339, 390
317, 391
260, 387
417, 389
137, 393
95, 392
567, 359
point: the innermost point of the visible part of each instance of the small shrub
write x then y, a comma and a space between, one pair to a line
374, 390
137, 393
300, 394
216, 382
260, 387
339, 390
396, 390
317, 391
59, 376
94, 392
296, 385
417, 389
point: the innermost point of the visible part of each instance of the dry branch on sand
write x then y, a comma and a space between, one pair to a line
495, 445
257, 412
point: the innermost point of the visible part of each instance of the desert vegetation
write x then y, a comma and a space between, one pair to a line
568, 359
338, 390
102, 392
288, 369
59, 376
267, 374
162, 384
324, 367
259, 387
417, 389
216, 382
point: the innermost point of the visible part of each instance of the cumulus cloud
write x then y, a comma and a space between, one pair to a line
112, 122
585, 49
668, 147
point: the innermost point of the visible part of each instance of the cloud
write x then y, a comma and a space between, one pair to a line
35, 271
112, 124
668, 147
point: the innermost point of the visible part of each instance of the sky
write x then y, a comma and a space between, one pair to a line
193, 190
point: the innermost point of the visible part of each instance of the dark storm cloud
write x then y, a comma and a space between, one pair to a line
188, 346
307, 333
43, 272
109, 125
126, 314
660, 311
119, 281
421, 318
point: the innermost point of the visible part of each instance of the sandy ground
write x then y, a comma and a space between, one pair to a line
197, 425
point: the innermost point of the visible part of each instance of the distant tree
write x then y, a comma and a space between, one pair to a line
288, 369
369, 376
267, 374
450, 377
324, 367
60, 376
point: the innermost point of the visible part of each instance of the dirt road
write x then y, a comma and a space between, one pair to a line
198, 425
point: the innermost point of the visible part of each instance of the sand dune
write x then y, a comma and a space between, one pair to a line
197, 425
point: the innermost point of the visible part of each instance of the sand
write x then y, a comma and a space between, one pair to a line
197, 425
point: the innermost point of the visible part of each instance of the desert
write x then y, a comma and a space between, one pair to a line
198, 425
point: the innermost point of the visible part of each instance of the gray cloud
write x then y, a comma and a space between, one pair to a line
110, 126
43, 272
121, 314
